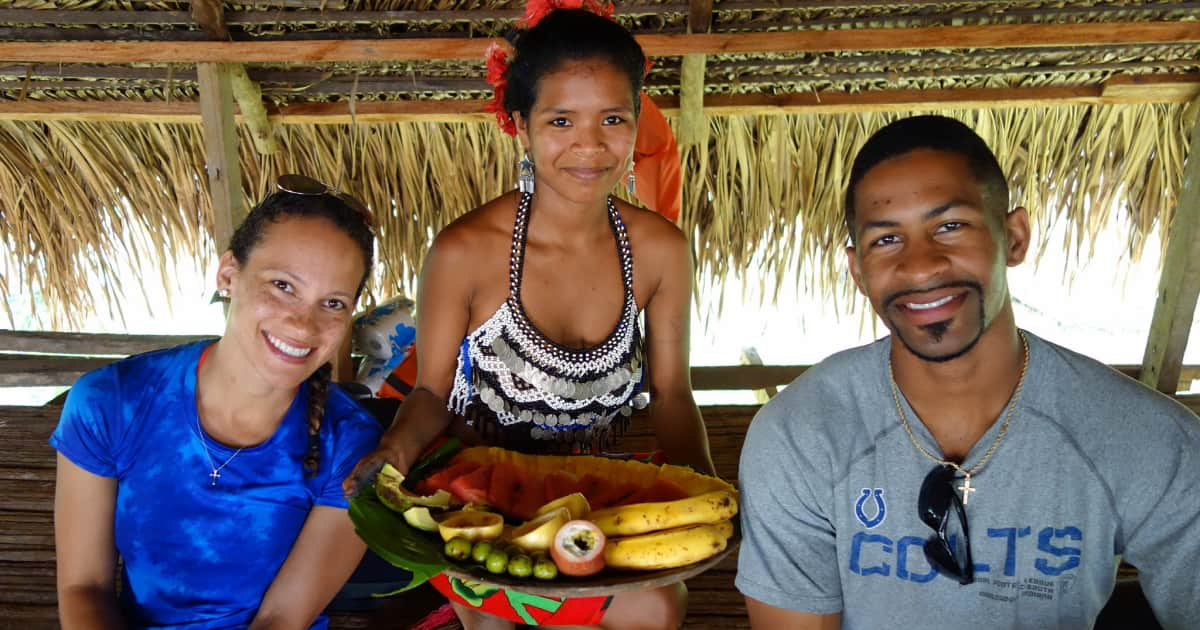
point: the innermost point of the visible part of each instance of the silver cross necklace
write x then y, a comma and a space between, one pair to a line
216, 470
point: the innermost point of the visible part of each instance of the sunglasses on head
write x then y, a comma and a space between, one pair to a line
934, 505
309, 187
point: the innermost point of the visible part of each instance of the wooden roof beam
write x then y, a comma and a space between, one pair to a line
1179, 88
328, 12
412, 49
1179, 285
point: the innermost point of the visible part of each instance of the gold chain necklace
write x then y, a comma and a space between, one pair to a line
966, 486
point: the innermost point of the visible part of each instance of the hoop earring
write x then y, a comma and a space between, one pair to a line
631, 183
525, 174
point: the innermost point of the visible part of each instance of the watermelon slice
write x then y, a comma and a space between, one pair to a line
473, 487
501, 487
559, 484
441, 479
515, 492
529, 495
594, 487
613, 494
662, 490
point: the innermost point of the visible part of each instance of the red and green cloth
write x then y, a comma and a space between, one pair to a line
526, 608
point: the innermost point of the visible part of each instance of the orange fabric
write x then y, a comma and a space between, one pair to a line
656, 163
400, 382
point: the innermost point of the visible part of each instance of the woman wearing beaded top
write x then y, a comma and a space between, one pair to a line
529, 306
214, 469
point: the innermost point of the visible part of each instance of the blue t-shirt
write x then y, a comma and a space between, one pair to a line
198, 555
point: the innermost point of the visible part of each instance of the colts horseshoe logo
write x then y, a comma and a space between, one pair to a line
880, 508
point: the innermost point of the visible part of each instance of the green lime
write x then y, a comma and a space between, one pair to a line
497, 561
481, 550
543, 567
520, 566
457, 548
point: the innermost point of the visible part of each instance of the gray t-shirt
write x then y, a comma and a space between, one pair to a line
1094, 467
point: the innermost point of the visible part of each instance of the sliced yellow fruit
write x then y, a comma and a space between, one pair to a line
471, 525
419, 516
398, 498
538, 534
576, 504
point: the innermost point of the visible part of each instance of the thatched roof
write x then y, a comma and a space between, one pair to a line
1087, 124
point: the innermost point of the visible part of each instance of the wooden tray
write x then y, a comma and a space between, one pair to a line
606, 583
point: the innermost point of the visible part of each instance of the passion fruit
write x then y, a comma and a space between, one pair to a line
578, 548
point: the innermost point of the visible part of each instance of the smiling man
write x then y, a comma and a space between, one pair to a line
960, 472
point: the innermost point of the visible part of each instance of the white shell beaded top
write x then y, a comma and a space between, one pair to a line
509, 373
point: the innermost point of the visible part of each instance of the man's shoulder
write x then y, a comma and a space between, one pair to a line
1082, 393
1078, 378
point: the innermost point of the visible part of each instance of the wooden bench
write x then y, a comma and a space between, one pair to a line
27, 572
27, 583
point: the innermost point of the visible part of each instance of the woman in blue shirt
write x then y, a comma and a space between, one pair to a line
214, 469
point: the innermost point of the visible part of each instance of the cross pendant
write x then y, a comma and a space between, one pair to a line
214, 475
965, 487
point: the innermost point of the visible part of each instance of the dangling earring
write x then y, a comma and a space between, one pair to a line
525, 174
631, 183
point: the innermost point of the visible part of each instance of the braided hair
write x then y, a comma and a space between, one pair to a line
318, 393
281, 205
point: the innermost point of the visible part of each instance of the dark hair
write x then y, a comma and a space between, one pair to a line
273, 209
930, 132
566, 35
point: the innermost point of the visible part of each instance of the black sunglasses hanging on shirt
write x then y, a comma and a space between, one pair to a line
934, 505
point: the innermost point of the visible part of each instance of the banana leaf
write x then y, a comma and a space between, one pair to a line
392, 538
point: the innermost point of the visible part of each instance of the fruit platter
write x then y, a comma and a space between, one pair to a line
547, 525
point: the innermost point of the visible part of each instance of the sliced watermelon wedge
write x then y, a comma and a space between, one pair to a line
559, 484
529, 494
441, 479
473, 487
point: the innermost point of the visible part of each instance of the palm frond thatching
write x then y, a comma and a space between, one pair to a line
767, 190
777, 183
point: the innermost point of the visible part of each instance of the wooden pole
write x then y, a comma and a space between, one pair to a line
1179, 286
210, 16
221, 150
750, 356
693, 127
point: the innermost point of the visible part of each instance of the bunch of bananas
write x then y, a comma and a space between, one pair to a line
667, 534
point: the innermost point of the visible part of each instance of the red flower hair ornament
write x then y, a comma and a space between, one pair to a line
497, 54
497, 69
